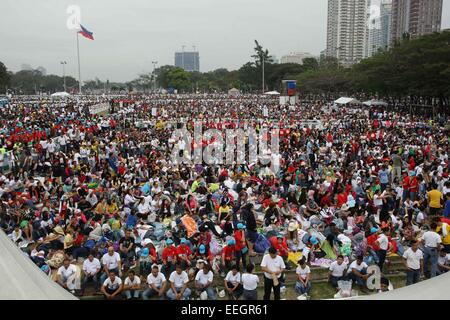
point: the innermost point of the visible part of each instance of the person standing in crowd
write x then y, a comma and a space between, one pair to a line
250, 283
384, 245
273, 267
413, 260
431, 244
435, 199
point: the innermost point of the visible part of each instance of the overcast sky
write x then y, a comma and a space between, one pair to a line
129, 34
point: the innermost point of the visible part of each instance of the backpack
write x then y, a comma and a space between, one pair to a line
261, 244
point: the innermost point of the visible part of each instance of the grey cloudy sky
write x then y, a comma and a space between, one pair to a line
129, 34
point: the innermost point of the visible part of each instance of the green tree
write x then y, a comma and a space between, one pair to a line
5, 76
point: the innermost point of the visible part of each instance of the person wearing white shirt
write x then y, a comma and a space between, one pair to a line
156, 284
68, 276
383, 243
233, 284
357, 271
443, 262
111, 262
112, 286
250, 282
132, 286
303, 285
413, 260
337, 271
204, 280
91, 269
431, 241
273, 266
178, 285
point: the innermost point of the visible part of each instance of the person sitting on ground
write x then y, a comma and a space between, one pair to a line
228, 255
233, 284
204, 281
357, 272
112, 286
184, 254
91, 270
337, 271
156, 284
132, 286
169, 258
67, 276
303, 284
443, 262
178, 284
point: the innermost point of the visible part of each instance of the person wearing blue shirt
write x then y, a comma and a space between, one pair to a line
383, 174
447, 206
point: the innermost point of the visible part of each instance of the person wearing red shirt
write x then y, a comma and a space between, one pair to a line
280, 244
241, 245
341, 198
184, 254
169, 258
228, 255
413, 186
405, 185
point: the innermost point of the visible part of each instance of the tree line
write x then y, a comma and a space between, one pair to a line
413, 70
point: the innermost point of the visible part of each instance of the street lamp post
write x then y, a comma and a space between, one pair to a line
154, 75
263, 75
63, 63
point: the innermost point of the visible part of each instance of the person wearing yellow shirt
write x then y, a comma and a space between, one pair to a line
443, 230
435, 198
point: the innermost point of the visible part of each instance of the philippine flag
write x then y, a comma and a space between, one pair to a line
86, 33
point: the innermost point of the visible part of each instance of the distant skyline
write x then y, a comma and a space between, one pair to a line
130, 34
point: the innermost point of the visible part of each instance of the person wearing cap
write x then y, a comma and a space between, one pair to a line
204, 280
228, 255
241, 245
169, 258
91, 270
232, 283
156, 282
203, 253
184, 254
279, 243
273, 267
178, 284
337, 271
112, 286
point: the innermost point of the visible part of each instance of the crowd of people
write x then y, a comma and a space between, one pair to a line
96, 200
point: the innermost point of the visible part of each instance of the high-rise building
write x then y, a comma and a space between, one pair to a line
378, 26
347, 31
189, 61
415, 18
296, 57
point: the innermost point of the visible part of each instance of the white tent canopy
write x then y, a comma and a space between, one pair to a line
272, 93
60, 95
345, 100
375, 103
21, 279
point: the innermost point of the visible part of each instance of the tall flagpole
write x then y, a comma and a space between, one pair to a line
79, 69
